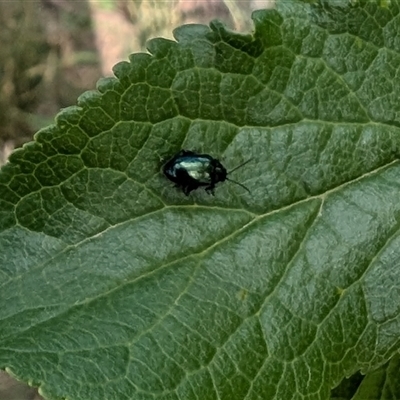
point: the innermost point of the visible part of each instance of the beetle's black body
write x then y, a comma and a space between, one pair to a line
190, 170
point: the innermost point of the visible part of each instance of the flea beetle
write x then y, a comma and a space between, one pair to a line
190, 170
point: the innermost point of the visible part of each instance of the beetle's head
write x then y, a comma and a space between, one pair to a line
219, 172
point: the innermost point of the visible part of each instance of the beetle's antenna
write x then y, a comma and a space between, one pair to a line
239, 166
234, 169
237, 183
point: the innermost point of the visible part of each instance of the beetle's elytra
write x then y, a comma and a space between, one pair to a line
190, 170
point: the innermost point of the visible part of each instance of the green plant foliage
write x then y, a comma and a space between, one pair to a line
115, 285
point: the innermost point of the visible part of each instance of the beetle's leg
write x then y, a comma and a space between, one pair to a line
187, 190
210, 189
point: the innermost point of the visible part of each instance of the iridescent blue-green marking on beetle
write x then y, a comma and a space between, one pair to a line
190, 170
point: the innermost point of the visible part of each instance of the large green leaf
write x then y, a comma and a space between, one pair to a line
115, 285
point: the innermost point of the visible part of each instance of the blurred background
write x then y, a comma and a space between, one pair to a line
53, 50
